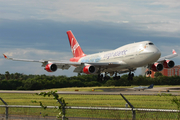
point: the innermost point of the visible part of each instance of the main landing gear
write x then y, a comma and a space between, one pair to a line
116, 77
130, 76
103, 78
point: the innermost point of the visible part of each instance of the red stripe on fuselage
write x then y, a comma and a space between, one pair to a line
75, 59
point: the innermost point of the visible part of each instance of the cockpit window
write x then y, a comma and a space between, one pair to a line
151, 44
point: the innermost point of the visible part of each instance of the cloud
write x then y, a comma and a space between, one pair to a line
153, 15
36, 29
171, 4
32, 67
37, 54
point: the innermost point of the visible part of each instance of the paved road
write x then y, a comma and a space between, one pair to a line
114, 91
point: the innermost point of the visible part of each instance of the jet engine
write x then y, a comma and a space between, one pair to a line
168, 64
51, 67
157, 67
89, 69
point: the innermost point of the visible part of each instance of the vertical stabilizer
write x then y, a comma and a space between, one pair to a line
75, 48
151, 86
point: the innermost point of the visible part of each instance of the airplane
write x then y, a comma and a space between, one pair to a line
121, 60
144, 87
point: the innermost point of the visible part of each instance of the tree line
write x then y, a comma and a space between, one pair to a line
18, 81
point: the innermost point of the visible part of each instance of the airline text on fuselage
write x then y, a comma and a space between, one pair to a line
115, 54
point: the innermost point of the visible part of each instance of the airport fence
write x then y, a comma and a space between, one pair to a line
86, 113
104, 113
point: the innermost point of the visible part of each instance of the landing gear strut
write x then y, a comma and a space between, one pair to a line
101, 78
148, 72
106, 77
116, 77
130, 76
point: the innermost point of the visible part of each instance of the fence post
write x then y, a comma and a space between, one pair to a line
6, 108
126, 105
133, 111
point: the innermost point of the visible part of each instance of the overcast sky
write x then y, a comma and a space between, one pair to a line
36, 29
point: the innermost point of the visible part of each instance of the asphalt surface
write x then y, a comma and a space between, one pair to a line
114, 91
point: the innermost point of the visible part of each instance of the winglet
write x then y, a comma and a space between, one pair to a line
5, 56
174, 52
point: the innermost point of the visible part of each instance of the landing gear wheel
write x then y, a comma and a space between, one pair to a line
116, 77
148, 72
130, 76
106, 78
99, 78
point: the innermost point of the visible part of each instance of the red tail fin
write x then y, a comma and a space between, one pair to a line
75, 48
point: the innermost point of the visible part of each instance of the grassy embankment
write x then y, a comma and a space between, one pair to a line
98, 88
155, 102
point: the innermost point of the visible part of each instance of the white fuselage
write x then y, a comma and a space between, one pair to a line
130, 56
141, 88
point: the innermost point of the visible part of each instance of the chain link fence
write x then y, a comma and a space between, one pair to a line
86, 113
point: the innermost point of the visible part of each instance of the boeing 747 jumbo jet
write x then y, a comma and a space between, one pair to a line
121, 60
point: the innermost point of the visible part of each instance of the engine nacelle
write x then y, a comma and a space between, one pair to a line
51, 67
168, 64
89, 69
157, 67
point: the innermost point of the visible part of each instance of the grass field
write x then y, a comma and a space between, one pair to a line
97, 88
138, 101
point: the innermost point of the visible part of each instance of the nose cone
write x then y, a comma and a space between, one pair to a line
156, 53
159, 53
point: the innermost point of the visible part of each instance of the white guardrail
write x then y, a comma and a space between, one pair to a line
94, 108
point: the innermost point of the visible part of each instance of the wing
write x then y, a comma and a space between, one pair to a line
60, 64
100, 65
174, 54
67, 64
80, 66
27, 60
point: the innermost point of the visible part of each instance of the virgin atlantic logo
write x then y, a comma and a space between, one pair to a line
74, 47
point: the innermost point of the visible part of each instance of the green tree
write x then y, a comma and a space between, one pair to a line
16, 75
7, 75
1, 76
174, 100
157, 74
